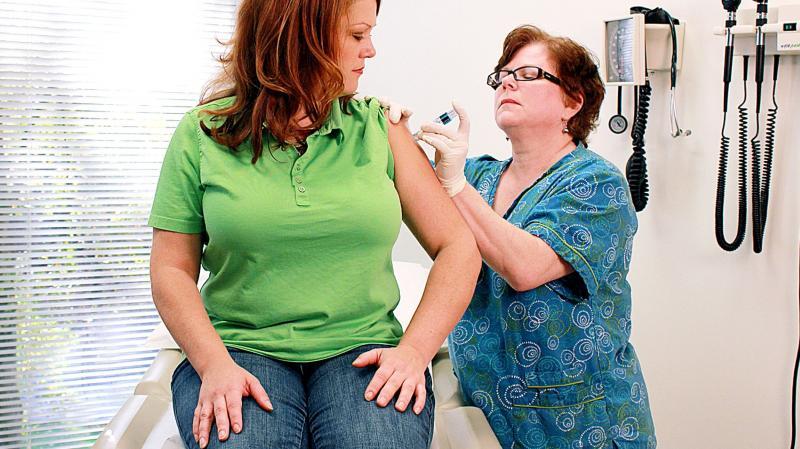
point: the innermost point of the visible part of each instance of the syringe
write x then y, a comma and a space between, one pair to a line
443, 119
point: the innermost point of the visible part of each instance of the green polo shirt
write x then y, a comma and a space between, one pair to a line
299, 249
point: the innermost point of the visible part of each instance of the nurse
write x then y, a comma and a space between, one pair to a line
543, 348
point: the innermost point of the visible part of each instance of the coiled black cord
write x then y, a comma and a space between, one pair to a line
761, 185
756, 191
769, 146
723, 167
636, 168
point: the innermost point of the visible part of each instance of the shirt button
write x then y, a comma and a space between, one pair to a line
298, 180
301, 189
298, 168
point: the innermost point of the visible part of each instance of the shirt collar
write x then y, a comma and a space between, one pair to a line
333, 123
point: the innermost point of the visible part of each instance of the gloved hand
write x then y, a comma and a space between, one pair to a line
397, 112
451, 151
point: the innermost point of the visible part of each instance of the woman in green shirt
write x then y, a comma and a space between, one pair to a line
290, 194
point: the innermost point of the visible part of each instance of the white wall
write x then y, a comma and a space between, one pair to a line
716, 332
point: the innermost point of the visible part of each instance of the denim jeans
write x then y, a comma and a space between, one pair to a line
317, 405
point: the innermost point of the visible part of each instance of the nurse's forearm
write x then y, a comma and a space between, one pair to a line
523, 260
447, 294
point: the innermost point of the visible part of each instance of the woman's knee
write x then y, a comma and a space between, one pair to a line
284, 427
341, 417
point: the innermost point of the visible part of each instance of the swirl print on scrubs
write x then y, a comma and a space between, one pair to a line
552, 367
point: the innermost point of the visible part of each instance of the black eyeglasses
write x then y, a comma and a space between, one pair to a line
524, 73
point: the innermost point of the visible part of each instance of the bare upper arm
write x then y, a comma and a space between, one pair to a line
427, 210
534, 263
176, 250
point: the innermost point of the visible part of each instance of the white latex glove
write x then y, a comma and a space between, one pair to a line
451, 150
397, 112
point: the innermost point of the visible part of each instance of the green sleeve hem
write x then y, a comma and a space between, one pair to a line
171, 224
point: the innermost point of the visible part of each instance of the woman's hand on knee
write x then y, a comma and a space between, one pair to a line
399, 369
220, 401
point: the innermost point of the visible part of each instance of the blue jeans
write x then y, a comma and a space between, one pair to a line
317, 405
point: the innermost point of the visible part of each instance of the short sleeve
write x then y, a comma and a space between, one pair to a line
177, 205
587, 220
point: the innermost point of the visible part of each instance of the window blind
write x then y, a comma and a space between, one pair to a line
90, 93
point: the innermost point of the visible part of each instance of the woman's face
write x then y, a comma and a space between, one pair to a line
355, 42
535, 104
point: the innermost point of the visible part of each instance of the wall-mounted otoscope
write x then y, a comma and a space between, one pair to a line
731, 6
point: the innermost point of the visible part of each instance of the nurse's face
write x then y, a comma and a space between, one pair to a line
536, 104
355, 42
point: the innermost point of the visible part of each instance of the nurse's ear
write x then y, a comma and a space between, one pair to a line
572, 105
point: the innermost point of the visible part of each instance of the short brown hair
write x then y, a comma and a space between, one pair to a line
282, 57
575, 66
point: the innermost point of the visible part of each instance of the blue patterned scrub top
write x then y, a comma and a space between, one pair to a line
552, 367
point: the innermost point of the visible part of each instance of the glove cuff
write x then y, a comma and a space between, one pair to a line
454, 187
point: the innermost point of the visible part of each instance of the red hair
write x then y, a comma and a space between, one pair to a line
575, 67
282, 58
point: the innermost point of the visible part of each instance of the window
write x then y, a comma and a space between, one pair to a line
90, 92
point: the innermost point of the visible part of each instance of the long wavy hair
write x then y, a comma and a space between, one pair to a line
282, 58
